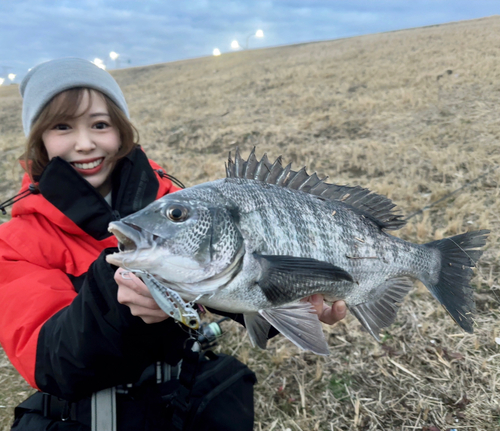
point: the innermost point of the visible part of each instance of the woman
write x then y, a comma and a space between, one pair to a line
71, 323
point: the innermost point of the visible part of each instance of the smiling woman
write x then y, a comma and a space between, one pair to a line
89, 141
80, 118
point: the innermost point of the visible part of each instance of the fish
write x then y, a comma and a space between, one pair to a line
265, 237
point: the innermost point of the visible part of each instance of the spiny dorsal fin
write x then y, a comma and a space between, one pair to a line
377, 206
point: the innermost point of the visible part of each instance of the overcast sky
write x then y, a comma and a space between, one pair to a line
155, 31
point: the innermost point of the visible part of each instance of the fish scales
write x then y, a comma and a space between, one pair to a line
282, 221
265, 237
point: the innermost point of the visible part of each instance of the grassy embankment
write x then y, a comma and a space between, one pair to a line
410, 114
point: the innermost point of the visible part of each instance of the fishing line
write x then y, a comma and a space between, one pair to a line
450, 194
475, 265
124, 275
467, 254
446, 197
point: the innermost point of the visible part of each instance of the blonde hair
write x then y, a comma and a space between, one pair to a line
64, 107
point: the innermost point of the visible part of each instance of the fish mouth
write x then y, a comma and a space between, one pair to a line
130, 237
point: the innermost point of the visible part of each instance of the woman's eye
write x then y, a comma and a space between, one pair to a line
61, 127
177, 213
101, 125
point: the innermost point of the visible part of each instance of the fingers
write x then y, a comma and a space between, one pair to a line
333, 314
127, 296
328, 314
128, 279
133, 293
317, 302
147, 315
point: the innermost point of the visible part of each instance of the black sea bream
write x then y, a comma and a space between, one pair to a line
265, 237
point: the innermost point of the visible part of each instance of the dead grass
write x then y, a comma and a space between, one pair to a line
410, 114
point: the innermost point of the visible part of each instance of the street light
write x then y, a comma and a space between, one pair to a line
99, 63
11, 76
216, 52
259, 34
2, 80
114, 56
235, 44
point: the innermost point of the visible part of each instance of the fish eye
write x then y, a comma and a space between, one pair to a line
177, 212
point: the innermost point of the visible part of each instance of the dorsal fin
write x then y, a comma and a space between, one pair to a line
377, 206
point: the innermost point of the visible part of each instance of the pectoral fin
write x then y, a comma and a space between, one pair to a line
258, 329
287, 278
381, 311
300, 324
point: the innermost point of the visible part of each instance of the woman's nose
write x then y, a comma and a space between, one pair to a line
84, 141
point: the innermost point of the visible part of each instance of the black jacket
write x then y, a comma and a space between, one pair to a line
94, 342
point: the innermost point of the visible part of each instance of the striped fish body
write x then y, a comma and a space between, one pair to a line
265, 237
276, 221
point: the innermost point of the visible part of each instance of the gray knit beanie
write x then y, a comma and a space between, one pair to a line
48, 79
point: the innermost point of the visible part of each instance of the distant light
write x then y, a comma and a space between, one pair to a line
235, 44
2, 80
113, 55
259, 33
216, 52
99, 63
12, 76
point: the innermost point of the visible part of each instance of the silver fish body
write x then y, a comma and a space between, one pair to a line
257, 243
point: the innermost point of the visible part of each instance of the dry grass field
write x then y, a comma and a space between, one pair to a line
411, 114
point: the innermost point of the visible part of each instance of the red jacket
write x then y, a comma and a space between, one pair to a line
47, 329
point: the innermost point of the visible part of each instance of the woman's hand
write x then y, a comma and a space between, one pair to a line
326, 314
133, 293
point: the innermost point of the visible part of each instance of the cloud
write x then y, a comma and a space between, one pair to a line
155, 31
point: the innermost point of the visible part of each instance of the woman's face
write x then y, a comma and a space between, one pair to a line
87, 142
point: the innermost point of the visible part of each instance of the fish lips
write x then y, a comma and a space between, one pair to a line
131, 238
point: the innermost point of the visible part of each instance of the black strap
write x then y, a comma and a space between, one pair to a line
52, 407
182, 401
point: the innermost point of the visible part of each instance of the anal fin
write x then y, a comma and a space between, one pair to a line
300, 324
381, 311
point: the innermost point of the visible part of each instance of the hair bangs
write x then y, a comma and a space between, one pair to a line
65, 105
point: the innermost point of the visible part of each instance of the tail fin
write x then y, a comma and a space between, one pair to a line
459, 255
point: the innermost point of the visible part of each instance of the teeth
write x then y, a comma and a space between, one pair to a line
88, 165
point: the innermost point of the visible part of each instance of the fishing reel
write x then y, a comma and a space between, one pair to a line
209, 333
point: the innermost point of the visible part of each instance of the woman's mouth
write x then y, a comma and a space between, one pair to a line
88, 167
